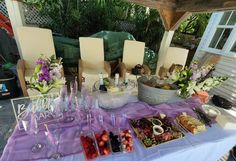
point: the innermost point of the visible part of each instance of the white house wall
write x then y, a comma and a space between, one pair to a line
226, 64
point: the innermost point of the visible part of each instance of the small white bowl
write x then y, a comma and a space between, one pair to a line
157, 130
211, 110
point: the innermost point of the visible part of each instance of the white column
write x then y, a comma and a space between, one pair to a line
16, 15
165, 43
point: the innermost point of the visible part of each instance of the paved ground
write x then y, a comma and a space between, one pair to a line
7, 122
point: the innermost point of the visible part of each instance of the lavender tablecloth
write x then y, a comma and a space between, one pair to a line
18, 146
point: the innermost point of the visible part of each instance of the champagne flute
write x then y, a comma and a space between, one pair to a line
64, 103
53, 136
30, 125
73, 94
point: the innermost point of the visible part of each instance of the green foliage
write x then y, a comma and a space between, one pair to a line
149, 28
74, 18
65, 14
195, 24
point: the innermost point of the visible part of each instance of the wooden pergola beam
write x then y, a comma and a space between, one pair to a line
172, 19
205, 5
155, 4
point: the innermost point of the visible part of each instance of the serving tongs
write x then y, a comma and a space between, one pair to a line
202, 116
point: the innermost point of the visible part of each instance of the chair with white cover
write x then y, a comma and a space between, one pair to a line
33, 42
176, 55
92, 60
133, 54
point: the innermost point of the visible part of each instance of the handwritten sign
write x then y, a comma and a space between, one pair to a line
41, 104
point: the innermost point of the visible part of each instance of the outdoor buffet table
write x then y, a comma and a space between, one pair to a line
205, 146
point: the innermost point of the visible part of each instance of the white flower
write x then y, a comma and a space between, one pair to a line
209, 81
55, 73
191, 87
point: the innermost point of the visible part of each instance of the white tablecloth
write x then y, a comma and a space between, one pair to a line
210, 145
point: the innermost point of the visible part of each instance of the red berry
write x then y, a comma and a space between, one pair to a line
97, 136
94, 155
106, 151
101, 143
104, 132
125, 142
105, 137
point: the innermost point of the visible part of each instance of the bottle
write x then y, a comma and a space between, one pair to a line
116, 79
126, 78
102, 87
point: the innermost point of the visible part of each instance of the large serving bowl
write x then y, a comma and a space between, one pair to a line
152, 95
114, 100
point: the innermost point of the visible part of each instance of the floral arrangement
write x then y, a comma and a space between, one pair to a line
194, 79
47, 75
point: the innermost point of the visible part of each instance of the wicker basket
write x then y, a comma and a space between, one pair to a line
153, 95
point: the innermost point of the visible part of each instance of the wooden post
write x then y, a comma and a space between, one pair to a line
165, 43
16, 15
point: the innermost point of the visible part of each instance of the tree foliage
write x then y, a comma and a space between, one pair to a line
195, 24
74, 18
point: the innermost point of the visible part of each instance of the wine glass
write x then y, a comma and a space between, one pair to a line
74, 87
64, 103
73, 94
52, 134
30, 125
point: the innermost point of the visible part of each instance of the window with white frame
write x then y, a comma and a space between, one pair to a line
223, 36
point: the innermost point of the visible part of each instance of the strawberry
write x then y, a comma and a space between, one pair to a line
130, 140
101, 143
97, 136
105, 137
94, 155
104, 132
128, 135
125, 142
106, 151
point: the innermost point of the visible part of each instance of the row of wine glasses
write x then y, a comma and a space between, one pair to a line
66, 108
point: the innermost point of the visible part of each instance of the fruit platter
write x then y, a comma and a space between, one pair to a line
103, 143
155, 130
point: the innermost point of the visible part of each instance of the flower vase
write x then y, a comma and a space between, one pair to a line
34, 92
203, 96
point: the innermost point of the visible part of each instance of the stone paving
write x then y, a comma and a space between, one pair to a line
7, 122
